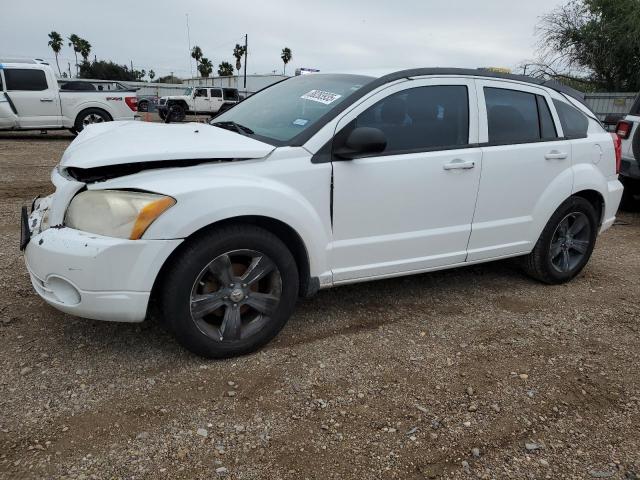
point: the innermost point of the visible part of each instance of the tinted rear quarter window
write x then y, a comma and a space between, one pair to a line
574, 123
422, 118
216, 93
230, 94
25, 79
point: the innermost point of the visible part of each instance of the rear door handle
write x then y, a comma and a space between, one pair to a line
459, 164
46, 99
556, 155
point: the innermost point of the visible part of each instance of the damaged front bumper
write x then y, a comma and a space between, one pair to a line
88, 275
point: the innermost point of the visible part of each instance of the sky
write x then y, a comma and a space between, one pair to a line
331, 35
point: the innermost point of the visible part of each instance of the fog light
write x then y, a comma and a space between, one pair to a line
63, 291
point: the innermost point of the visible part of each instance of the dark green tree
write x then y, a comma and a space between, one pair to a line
152, 75
75, 42
196, 54
105, 70
56, 42
286, 57
594, 40
238, 52
225, 69
206, 67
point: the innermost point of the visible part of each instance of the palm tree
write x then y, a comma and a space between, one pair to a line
239, 52
55, 43
75, 41
152, 75
225, 69
85, 49
205, 68
196, 53
286, 57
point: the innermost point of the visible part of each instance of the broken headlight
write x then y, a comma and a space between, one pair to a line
115, 213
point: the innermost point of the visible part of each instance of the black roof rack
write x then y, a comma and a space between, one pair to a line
419, 72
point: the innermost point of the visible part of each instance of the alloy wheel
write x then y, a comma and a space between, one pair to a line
235, 295
570, 242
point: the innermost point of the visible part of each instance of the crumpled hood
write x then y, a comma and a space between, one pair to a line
117, 143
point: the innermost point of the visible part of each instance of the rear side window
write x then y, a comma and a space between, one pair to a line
574, 123
216, 93
422, 118
230, 94
25, 79
517, 117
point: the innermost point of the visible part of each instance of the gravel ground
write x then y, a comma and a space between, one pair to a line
475, 372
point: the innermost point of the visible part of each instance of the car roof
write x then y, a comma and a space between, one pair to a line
386, 75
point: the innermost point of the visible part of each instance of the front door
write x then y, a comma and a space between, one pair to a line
202, 100
34, 96
526, 168
410, 208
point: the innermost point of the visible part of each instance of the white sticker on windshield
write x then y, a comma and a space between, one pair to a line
321, 96
300, 122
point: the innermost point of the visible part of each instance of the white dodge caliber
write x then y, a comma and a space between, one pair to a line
318, 181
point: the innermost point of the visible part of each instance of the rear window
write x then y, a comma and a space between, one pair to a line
517, 117
25, 79
574, 123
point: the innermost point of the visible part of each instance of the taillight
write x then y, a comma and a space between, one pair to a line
132, 103
617, 145
623, 129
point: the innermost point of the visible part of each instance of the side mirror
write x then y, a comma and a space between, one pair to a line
362, 141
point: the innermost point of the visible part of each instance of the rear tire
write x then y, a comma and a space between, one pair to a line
176, 113
566, 243
216, 304
89, 117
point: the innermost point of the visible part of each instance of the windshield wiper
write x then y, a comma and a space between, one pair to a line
233, 126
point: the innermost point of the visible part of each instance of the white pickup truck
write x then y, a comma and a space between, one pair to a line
30, 99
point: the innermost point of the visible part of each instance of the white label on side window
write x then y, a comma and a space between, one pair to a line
321, 96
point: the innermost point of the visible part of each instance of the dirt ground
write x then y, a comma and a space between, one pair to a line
475, 372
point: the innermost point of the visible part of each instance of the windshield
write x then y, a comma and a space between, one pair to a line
187, 91
288, 108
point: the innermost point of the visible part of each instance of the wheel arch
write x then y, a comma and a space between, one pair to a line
287, 234
86, 109
596, 199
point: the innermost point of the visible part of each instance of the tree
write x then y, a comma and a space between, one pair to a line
169, 79
75, 42
206, 67
56, 43
225, 69
196, 54
594, 40
239, 51
85, 49
104, 70
286, 57
152, 75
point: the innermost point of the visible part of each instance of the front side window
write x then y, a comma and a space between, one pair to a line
287, 109
421, 118
25, 79
574, 123
201, 92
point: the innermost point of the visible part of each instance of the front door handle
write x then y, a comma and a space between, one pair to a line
556, 155
459, 164
46, 99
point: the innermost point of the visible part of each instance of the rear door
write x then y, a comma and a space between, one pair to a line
216, 99
526, 168
35, 97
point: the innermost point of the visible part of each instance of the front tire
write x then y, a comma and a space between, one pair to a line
566, 243
229, 291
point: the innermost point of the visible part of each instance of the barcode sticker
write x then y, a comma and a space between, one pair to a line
321, 96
